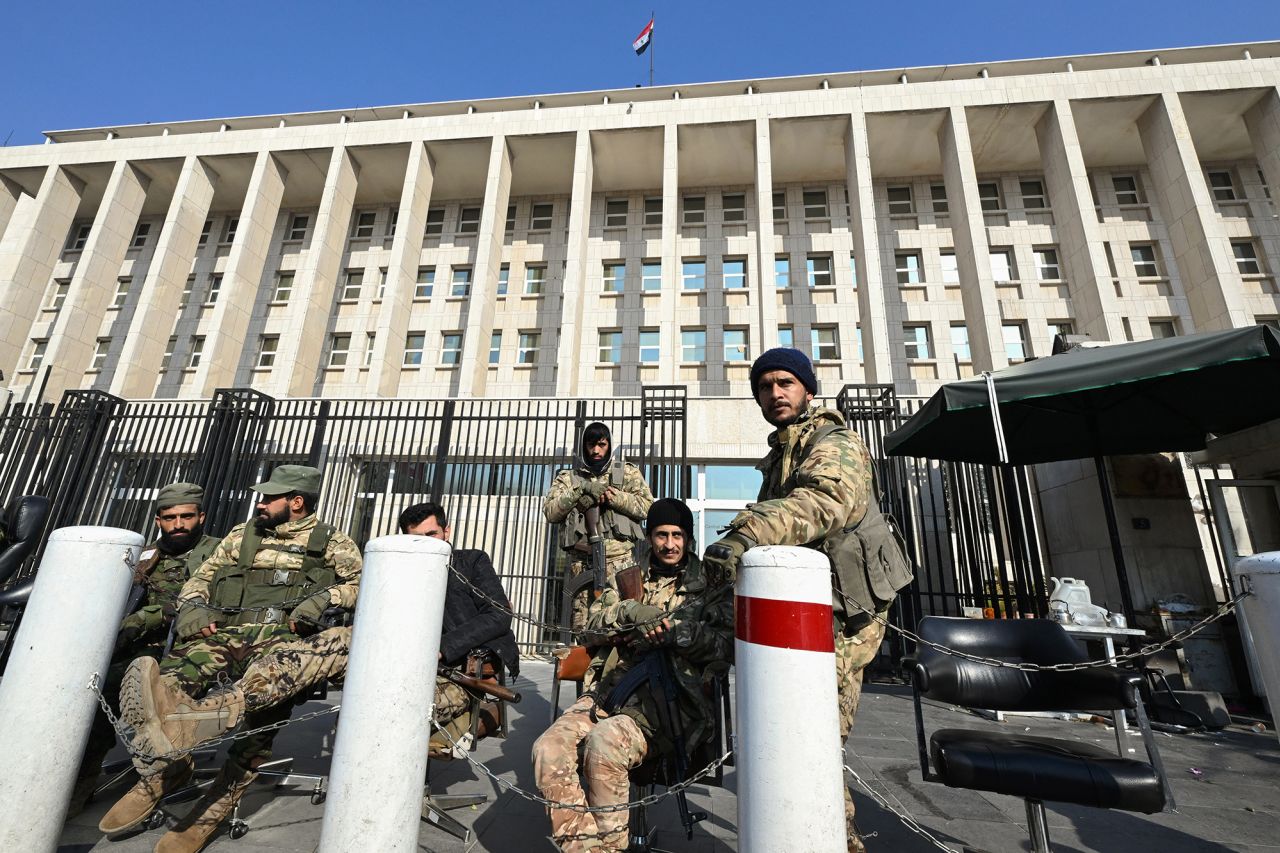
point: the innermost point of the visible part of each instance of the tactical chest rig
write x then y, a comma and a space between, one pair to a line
265, 596
613, 525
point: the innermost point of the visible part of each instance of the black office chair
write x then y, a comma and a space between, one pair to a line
1033, 768
24, 521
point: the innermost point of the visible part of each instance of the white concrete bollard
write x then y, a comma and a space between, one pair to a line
67, 633
1260, 622
790, 772
380, 756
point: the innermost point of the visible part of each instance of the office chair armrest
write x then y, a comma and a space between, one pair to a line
1101, 688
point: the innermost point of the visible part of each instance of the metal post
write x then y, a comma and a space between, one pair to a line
1260, 574
790, 773
380, 755
1117, 550
67, 633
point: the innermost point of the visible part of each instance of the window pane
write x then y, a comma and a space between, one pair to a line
694, 276
735, 345
735, 207
782, 271
731, 482
1144, 261
735, 273
950, 271
785, 336
815, 204
693, 345
615, 214
1001, 268
534, 278
1047, 264
1015, 346
615, 277
960, 342
819, 269
648, 346
825, 346
651, 276
938, 194
695, 210
461, 282
908, 266
1246, 258
900, 200
917, 340
611, 347
653, 211
495, 347
989, 195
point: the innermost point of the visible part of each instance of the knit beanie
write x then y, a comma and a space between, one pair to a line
669, 511
785, 358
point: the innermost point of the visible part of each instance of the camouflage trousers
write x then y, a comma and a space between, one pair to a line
612, 746
582, 601
853, 654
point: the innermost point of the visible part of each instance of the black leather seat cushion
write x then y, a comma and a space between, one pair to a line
1044, 769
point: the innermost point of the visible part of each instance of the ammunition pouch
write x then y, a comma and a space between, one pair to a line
868, 564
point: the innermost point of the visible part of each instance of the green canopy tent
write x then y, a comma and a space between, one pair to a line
1145, 397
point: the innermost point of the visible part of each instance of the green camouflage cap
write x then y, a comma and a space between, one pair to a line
291, 478
177, 494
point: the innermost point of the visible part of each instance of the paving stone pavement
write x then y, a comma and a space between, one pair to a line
1233, 805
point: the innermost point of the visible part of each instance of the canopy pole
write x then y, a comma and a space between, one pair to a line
1117, 551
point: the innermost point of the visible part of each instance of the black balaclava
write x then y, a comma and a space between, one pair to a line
593, 433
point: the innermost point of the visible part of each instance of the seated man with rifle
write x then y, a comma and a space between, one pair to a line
658, 640
476, 614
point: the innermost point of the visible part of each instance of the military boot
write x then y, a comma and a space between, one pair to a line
195, 830
173, 721
141, 800
140, 693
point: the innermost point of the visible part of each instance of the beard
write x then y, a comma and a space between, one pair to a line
266, 522
180, 541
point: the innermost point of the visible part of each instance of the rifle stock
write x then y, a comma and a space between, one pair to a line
490, 688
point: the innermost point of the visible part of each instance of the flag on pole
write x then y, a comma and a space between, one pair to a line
641, 44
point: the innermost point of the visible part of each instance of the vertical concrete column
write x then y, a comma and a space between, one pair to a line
764, 292
969, 230
570, 360
1263, 123
242, 276
317, 275
1080, 242
474, 369
669, 299
28, 251
1200, 248
161, 295
877, 360
74, 335
10, 193
402, 273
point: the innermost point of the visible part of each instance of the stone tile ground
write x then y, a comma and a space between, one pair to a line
1233, 805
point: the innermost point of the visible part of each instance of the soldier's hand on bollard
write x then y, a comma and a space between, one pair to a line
306, 616
721, 558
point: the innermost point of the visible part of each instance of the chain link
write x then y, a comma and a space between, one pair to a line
907, 820
1146, 650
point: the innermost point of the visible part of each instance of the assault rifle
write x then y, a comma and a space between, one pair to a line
489, 688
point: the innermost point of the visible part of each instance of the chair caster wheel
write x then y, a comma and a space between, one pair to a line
238, 829
318, 797
155, 820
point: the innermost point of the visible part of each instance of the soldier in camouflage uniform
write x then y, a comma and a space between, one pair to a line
623, 497
162, 569
265, 582
684, 613
817, 482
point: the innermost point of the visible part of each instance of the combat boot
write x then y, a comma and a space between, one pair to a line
140, 692
141, 800
193, 832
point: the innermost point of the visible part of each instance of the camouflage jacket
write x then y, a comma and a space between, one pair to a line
809, 491
632, 500
341, 553
164, 583
701, 648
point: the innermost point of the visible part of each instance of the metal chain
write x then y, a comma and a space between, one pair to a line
1146, 650
907, 820
619, 807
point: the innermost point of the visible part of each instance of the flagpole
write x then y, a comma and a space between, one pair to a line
652, 47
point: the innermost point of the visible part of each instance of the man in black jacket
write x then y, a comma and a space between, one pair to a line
476, 614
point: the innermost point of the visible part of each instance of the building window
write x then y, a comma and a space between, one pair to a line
215, 288
1001, 266
59, 294
1144, 260
435, 222
825, 344
504, 279
786, 337
1015, 341
204, 232
352, 284
122, 292
540, 216
950, 270
495, 347
615, 276
197, 351
1262, 320
370, 338
781, 271
267, 345
414, 343
284, 287
693, 275
534, 279
695, 210
451, 348
1061, 328
1246, 258
425, 283
735, 345
908, 267
36, 358
79, 236
100, 350
339, 350
468, 220
1047, 268
900, 202
917, 340
1126, 187
960, 342
989, 196
735, 273
1164, 328
693, 345
853, 271
382, 282
140, 235
818, 268
615, 213
392, 221
815, 204
1224, 188
653, 211
649, 346
187, 287
298, 226
611, 347
166, 361
1033, 197
938, 195
461, 285
651, 276
1262, 180
780, 206
363, 227
735, 208
229, 229
510, 225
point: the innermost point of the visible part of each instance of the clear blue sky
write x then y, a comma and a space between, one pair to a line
89, 64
